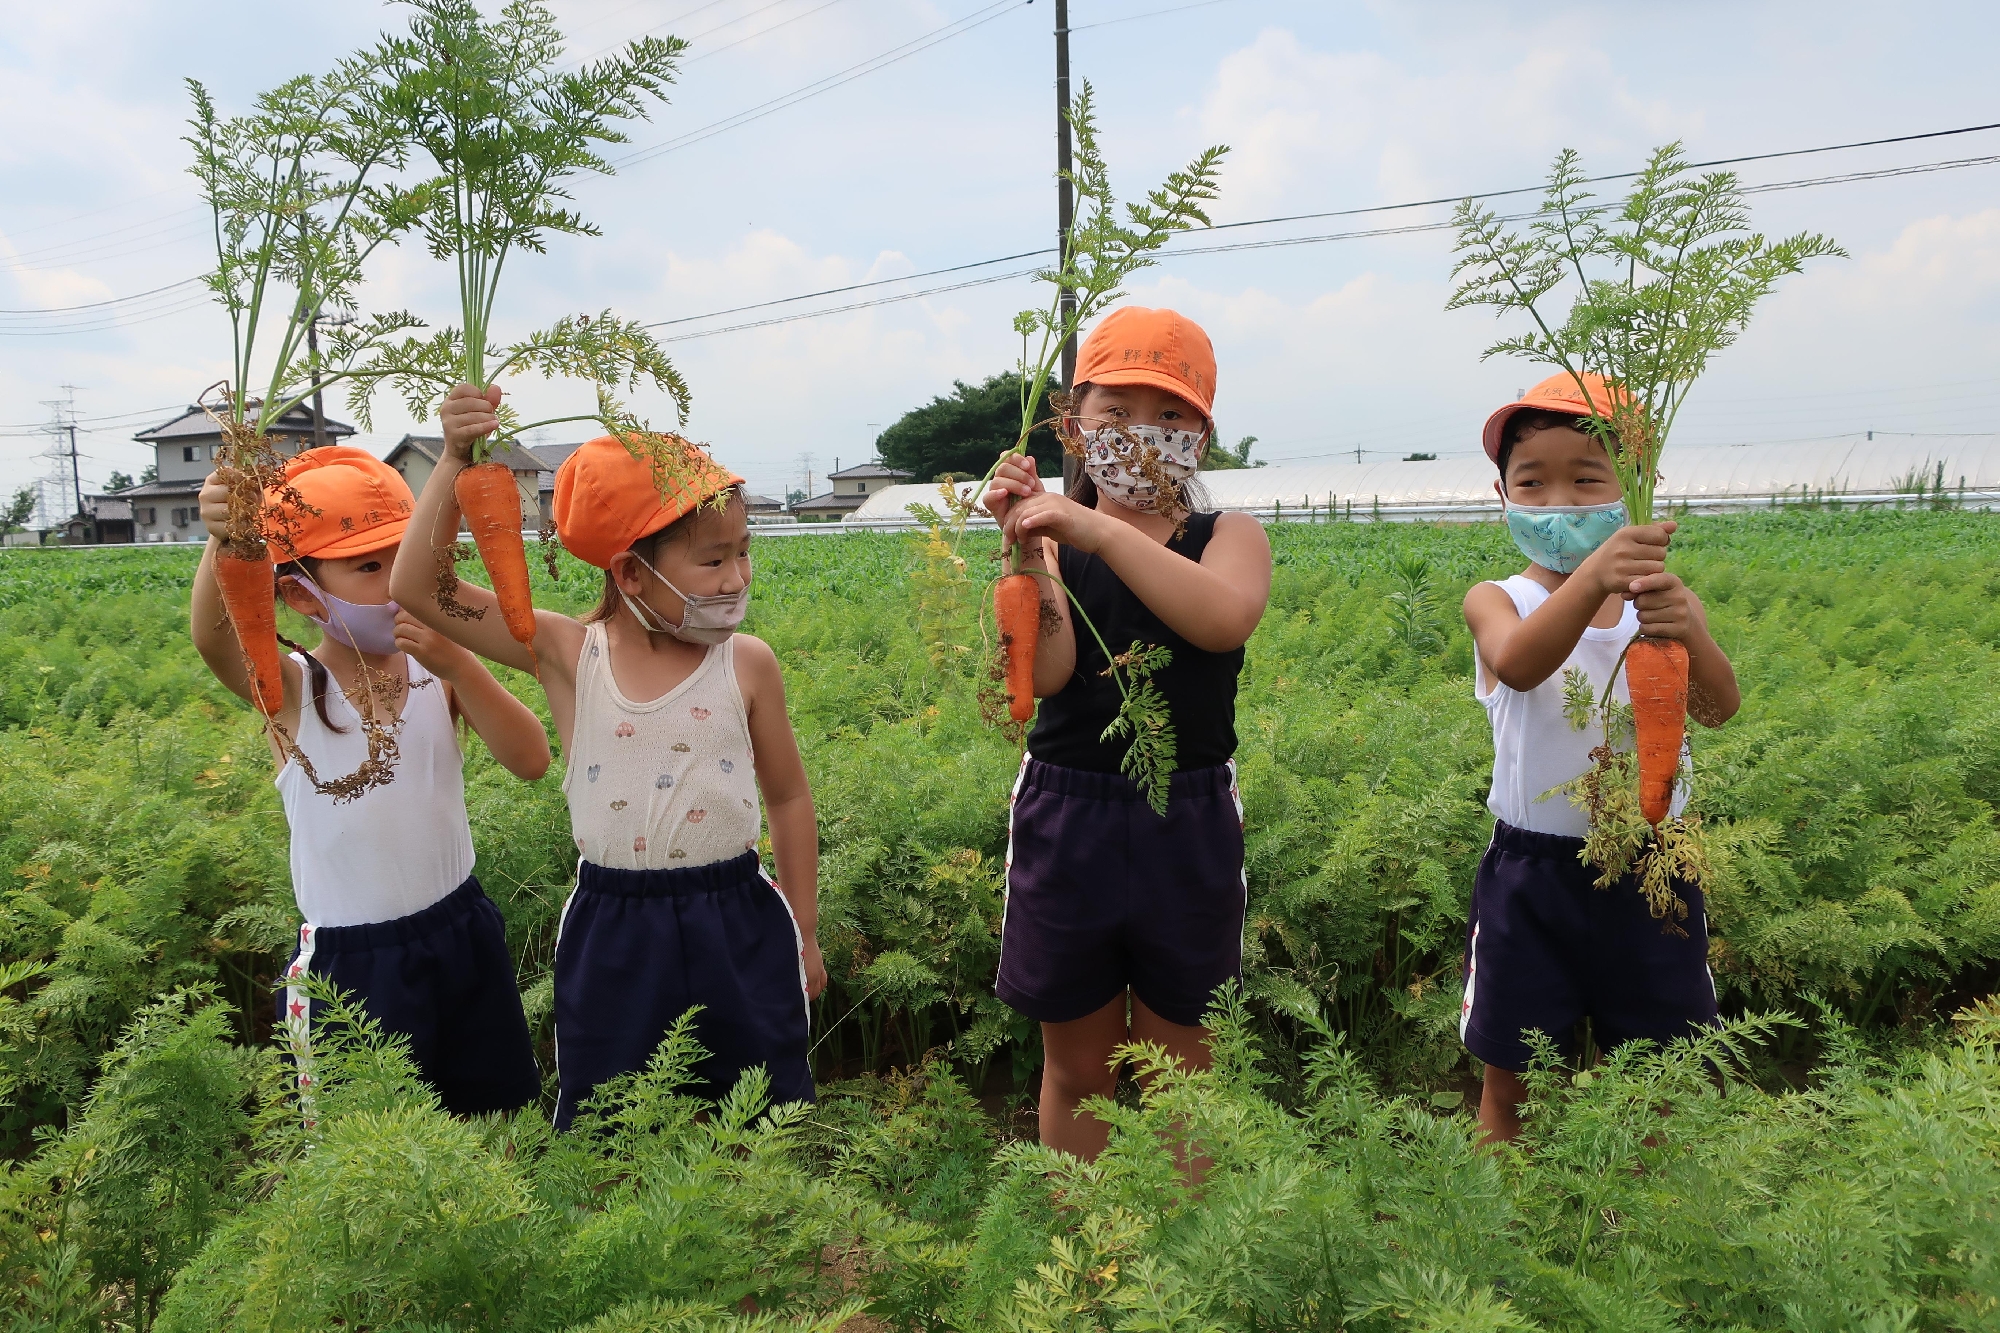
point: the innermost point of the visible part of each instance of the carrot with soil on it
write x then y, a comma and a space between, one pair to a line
245, 583
491, 503
1017, 610
1656, 672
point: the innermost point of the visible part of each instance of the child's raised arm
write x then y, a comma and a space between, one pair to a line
1522, 654
208, 623
474, 621
509, 727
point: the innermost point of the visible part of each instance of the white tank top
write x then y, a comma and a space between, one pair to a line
665, 783
395, 849
1535, 748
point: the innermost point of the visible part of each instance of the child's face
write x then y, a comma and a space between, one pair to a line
1136, 405
362, 579
1558, 465
712, 558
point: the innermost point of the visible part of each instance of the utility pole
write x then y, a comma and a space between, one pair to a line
1065, 219
1065, 194
1357, 453
319, 406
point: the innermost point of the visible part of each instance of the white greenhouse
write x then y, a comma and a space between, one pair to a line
1711, 478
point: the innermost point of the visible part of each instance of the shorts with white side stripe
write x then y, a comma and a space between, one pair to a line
639, 948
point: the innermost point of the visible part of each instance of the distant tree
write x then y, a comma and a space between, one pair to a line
1418, 458
150, 475
19, 509
1221, 458
966, 431
792, 497
119, 481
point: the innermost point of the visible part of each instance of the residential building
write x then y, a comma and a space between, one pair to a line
416, 457
850, 488
165, 509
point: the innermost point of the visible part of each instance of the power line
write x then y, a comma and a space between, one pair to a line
1918, 169
894, 55
1149, 14
855, 287
1368, 233
1615, 176
94, 305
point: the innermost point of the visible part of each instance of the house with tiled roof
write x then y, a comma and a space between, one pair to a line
165, 509
850, 488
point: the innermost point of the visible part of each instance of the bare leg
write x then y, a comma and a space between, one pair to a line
1500, 1105
1188, 1046
1077, 1065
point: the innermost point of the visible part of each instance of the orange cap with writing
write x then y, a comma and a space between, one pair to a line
1163, 348
363, 505
607, 497
1557, 393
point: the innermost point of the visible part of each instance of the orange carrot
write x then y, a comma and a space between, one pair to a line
247, 588
1017, 607
491, 503
1656, 670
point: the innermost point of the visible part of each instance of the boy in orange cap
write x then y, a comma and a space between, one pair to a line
393, 914
1122, 923
672, 725
1544, 946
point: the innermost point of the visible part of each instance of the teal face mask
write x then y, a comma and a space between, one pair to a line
1561, 537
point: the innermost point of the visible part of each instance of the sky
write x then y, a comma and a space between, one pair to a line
927, 142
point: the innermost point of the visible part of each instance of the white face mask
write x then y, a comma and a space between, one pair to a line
1111, 455
364, 627
704, 619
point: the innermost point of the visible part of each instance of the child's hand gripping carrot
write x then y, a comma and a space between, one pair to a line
490, 500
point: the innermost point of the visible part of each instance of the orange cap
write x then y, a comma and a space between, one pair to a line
1557, 393
606, 499
363, 503
1163, 348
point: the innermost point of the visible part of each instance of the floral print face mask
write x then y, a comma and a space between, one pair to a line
1118, 457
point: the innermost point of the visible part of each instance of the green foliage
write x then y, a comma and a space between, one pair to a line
505, 127
1220, 458
1663, 284
966, 431
295, 219
20, 509
1851, 816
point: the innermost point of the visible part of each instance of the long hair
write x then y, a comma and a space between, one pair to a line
306, 566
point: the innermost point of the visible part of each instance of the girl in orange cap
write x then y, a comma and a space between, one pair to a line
1120, 923
672, 726
393, 914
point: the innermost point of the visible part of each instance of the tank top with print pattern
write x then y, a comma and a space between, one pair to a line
664, 783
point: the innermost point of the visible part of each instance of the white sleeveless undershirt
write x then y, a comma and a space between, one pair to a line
395, 849
1535, 748
666, 783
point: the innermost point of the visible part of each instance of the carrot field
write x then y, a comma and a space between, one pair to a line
1830, 1160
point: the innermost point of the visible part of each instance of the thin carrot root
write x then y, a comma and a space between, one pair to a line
1017, 609
491, 503
248, 595
1656, 671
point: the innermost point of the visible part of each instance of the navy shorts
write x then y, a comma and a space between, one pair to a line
1545, 947
639, 948
1103, 894
441, 977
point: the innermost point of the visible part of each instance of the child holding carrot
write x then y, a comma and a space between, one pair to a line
384, 880
672, 725
1544, 947
1121, 923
